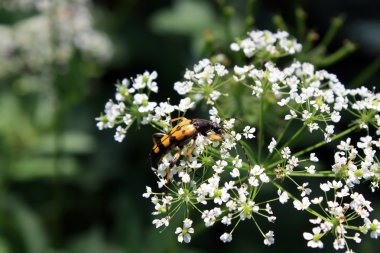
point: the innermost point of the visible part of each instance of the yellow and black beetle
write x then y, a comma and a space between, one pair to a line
179, 136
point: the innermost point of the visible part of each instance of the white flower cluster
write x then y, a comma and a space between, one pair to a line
314, 97
222, 179
265, 44
201, 82
357, 163
232, 187
132, 104
345, 206
52, 35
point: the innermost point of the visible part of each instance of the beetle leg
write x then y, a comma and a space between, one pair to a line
176, 119
190, 150
215, 137
172, 162
157, 137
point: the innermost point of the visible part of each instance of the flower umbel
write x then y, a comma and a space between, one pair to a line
235, 172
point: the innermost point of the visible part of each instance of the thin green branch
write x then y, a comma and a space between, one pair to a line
294, 137
347, 131
348, 47
336, 24
315, 213
261, 128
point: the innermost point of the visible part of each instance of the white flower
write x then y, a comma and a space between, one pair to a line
140, 98
248, 132
146, 80
335, 116
304, 191
219, 166
344, 145
185, 231
185, 104
235, 47
235, 173
161, 222
314, 239
272, 144
269, 238
357, 238
214, 95
226, 220
313, 158
301, 205
183, 87
315, 221
317, 200
312, 126
330, 129
373, 227
127, 119
310, 169
339, 243
226, 237
283, 196
148, 192
185, 177
120, 134
285, 152
325, 187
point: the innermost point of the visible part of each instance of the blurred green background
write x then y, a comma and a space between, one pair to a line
67, 187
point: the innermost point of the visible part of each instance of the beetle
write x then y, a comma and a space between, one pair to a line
180, 135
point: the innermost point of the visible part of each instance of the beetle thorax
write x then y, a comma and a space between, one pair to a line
204, 126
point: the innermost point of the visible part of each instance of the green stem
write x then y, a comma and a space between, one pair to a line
347, 131
293, 137
300, 22
325, 173
330, 34
347, 48
311, 37
227, 12
280, 138
261, 128
279, 22
250, 20
248, 151
315, 213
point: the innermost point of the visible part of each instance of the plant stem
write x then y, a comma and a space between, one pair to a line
300, 22
324, 173
280, 138
293, 137
279, 22
261, 128
294, 198
330, 34
347, 131
249, 19
347, 48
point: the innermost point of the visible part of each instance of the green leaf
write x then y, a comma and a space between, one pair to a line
4, 248
186, 17
29, 226
92, 241
34, 167
70, 142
